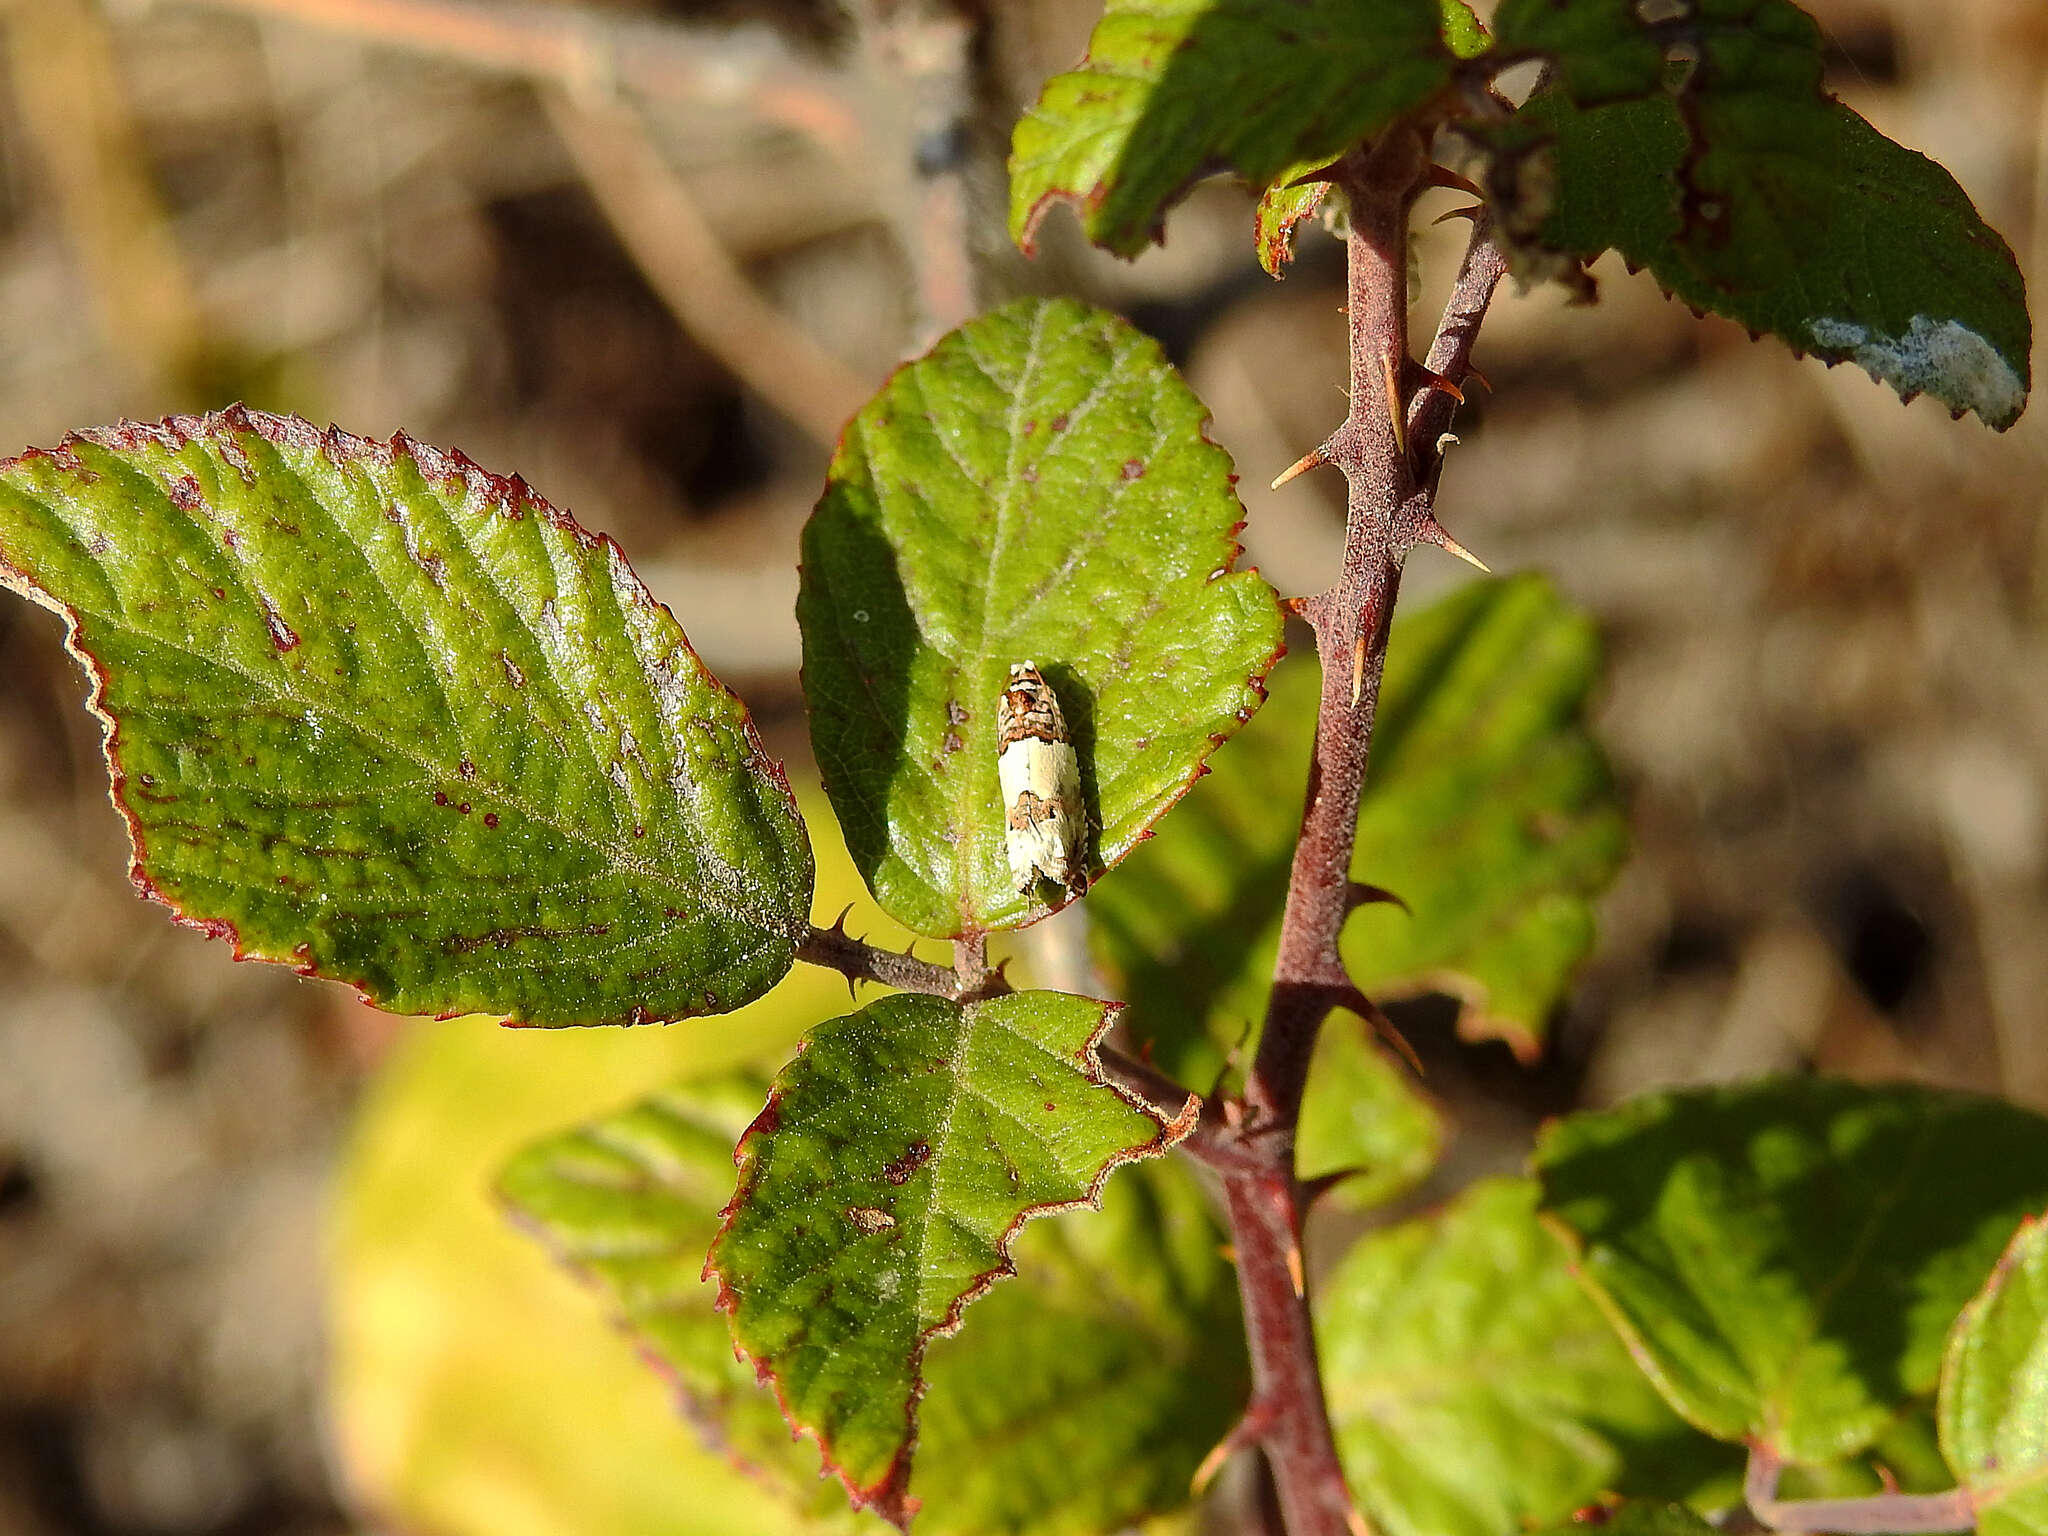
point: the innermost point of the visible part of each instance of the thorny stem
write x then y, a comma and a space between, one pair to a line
857, 960
1884, 1512
1390, 468
736, 70
1386, 447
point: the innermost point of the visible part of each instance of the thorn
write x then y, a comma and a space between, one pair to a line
1484, 382
1443, 176
1359, 894
1356, 1523
1229, 1252
1294, 1269
1471, 213
1384, 1027
1315, 458
1357, 669
1314, 1189
1328, 174
1212, 1463
1438, 381
1433, 532
1395, 414
839, 922
1248, 1430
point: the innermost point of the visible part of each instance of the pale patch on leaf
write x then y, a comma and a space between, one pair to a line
1942, 358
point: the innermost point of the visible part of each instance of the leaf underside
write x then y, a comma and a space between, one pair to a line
1080, 1396
880, 1192
383, 716
1994, 1392
1487, 809
1037, 489
1173, 89
1474, 1388
1786, 1258
1751, 193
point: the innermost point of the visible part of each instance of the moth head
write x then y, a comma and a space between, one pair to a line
1023, 669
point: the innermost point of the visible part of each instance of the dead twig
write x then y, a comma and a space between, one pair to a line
730, 70
684, 260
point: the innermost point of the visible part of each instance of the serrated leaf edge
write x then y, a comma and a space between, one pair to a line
1958, 1345
181, 431
1102, 858
887, 1496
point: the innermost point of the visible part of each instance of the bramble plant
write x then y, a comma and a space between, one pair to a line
376, 713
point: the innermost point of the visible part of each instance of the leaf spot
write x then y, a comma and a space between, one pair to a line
869, 1220
490, 818
281, 633
914, 1157
184, 493
1133, 469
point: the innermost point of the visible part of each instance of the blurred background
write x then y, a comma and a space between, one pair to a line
649, 256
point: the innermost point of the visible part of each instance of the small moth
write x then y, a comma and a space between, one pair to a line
1041, 782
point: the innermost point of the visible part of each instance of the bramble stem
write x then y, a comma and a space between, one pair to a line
1350, 622
857, 960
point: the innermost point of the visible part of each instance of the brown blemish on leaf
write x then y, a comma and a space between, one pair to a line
914, 1157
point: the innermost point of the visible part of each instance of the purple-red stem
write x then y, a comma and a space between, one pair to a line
1350, 623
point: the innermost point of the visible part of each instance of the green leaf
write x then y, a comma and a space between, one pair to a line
1037, 488
1488, 810
1289, 200
1282, 206
1172, 89
475, 1388
1994, 1391
1360, 1113
1080, 1398
1598, 49
1751, 193
1786, 1258
631, 1202
1474, 1388
880, 1192
378, 714
1464, 34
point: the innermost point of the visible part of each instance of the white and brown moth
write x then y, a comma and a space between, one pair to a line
1041, 780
